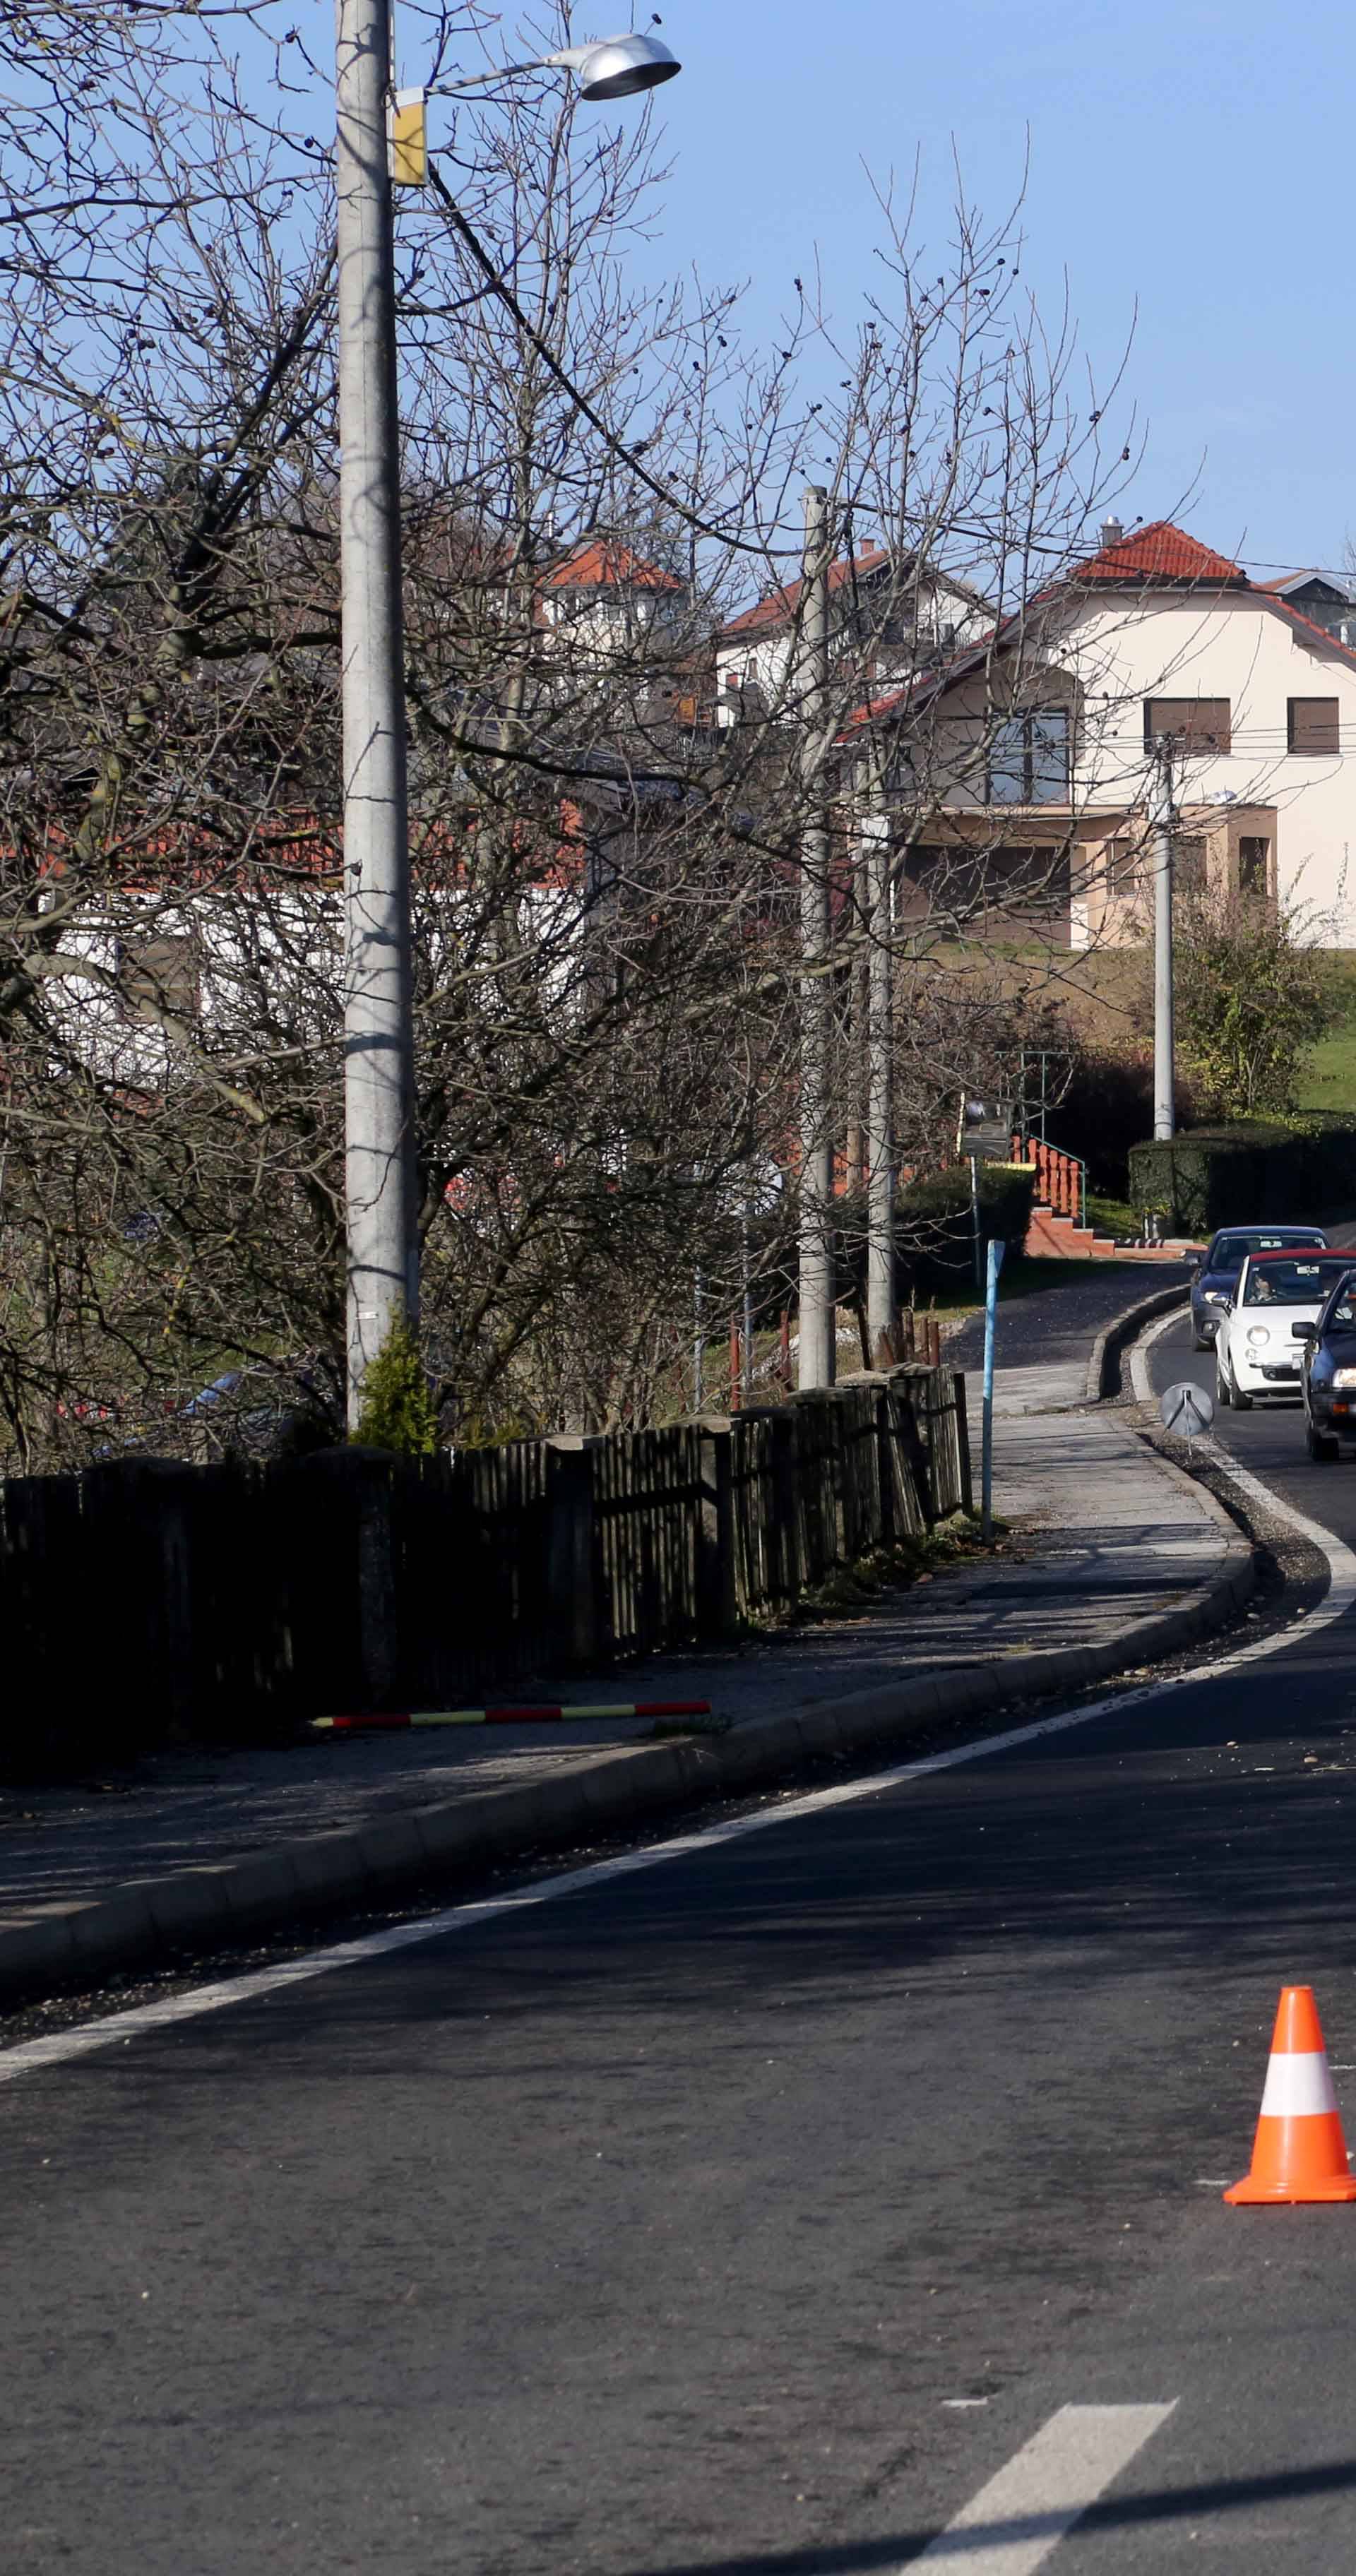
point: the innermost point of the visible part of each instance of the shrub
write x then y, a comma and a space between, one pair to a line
1251, 999
398, 1411
1248, 1173
935, 1222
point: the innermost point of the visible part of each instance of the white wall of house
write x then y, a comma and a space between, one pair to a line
761, 657
612, 621
1236, 647
1109, 653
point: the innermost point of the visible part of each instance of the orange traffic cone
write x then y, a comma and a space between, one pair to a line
1299, 2152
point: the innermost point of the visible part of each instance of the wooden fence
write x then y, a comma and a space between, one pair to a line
148, 1601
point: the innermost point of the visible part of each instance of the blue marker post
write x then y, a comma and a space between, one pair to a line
996, 1252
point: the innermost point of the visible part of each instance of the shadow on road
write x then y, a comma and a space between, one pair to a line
1165, 2504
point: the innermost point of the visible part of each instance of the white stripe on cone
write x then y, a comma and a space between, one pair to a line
1298, 2086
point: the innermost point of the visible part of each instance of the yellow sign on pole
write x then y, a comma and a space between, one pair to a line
407, 131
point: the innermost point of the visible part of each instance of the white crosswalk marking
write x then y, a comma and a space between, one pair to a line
1011, 2527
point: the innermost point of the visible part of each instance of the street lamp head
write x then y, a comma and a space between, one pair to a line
618, 66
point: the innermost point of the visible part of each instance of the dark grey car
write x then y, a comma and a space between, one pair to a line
1215, 1280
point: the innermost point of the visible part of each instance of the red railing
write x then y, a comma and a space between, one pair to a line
1061, 1179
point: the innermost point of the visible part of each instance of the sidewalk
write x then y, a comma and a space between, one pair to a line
1115, 1558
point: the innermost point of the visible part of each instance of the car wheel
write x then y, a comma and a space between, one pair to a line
1241, 1403
1222, 1396
1321, 1448
1198, 1341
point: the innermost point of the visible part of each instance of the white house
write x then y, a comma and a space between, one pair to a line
892, 616
608, 600
1047, 742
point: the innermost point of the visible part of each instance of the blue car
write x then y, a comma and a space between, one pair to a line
1217, 1273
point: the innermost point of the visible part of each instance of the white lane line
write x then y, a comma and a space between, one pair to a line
1141, 1384
1013, 2524
30, 2056
1341, 1561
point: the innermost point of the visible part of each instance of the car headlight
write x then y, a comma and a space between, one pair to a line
1258, 1333
1214, 1296
1344, 1377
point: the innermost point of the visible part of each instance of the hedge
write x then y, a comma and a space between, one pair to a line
1248, 1173
935, 1223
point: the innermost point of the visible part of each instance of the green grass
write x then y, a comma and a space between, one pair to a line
1113, 1216
1330, 1080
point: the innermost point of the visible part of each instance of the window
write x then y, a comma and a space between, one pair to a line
1311, 725
1253, 852
1275, 1282
1188, 863
1029, 759
1122, 860
1195, 724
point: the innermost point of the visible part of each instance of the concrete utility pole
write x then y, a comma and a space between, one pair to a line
880, 1162
1164, 1113
382, 1255
818, 1354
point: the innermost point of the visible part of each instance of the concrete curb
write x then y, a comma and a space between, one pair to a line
61, 1945
1112, 1339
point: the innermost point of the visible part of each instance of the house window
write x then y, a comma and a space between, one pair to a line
1029, 759
1311, 725
1122, 867
1194, 724
1253, 852
158, 978
1188, 863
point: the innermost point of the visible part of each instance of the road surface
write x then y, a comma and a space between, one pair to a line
768, 2209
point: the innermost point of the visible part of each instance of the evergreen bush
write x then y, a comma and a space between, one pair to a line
398, 1412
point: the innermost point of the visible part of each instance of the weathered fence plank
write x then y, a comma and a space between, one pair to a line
148, 1601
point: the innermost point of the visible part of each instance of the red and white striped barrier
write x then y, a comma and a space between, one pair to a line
384, 1722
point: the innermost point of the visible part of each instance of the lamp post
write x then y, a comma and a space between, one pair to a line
815, 1267
1165, 1119
380, 1180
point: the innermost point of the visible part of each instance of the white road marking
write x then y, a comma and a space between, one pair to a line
1341, 1562
30, 2056
1011, 2527
1141, 1385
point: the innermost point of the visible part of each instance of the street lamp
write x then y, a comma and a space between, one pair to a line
610, 67
382, 1256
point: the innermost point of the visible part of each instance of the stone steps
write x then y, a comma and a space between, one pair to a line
1058, 1238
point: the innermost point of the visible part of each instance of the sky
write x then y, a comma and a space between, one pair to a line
1174, 179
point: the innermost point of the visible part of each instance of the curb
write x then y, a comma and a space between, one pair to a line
1103, 1361
229, 1901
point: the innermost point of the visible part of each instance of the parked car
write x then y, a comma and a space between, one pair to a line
1217, 1271
1261, 1336
1328, 1374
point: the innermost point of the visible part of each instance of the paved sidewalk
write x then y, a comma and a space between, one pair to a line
1101, 1534
1113, 1557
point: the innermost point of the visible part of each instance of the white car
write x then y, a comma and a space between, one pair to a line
1256, 1349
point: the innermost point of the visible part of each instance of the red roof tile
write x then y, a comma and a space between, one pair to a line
603, 563
780, 606
1160, 552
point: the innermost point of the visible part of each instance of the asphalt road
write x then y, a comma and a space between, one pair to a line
1269, 1440
744, 2215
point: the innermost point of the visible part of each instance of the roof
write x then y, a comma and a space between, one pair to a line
1301, 580
1157, 556
1161, 552
780, 606
1331, 1252
604, 563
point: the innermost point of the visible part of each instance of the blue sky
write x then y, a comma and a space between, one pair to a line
1175, 166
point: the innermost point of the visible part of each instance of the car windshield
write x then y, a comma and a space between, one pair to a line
1232, 1250
1301, 1282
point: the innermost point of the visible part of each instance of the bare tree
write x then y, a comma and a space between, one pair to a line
606, 875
